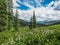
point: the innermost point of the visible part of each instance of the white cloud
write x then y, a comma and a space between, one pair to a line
50, 4
15, 4
38, 2
26, 3
57, 5
30, 3
42, 13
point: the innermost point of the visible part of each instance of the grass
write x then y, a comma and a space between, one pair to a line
47, 35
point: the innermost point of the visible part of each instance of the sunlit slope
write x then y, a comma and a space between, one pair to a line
51, 27
47, 35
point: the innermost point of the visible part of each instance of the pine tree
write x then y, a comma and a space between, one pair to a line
10, 22
31, 23
10, 14
34, 20
3, 16
16, 21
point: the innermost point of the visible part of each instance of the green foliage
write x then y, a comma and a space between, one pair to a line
25, 36
3, 16
30, 25
16, 21
32, 21
10, 22
10, 15
47, 35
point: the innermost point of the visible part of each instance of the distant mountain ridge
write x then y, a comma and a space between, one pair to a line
42, 22
49, 22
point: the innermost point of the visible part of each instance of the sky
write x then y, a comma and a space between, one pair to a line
44, 9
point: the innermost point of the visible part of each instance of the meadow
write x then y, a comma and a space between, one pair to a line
46, 35
19, 35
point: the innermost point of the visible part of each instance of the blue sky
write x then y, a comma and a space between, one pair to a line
32, 3
44, 10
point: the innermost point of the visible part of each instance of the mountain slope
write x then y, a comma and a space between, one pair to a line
49, 22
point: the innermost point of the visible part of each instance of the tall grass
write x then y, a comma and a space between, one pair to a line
40, 36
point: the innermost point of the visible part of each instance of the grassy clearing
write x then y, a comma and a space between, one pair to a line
48, 35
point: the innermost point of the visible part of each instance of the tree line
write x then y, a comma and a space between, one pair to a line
8, 21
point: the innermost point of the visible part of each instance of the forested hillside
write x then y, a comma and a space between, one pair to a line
7, 20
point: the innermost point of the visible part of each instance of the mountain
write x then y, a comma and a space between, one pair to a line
41, 23
23, 23
49, 22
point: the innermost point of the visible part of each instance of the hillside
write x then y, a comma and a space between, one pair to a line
29, 22
47, 35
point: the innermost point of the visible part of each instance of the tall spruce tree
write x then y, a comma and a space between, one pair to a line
31, 23
10, 22
34, 19
3, 15
10, 14
16, 21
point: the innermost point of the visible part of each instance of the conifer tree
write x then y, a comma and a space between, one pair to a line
10, 22
31, 23
10, 14
3, 16
16, 21
34, 19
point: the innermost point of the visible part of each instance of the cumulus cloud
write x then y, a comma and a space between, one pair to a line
26, 3
50, 4
42, 13
15, 4
57, 5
